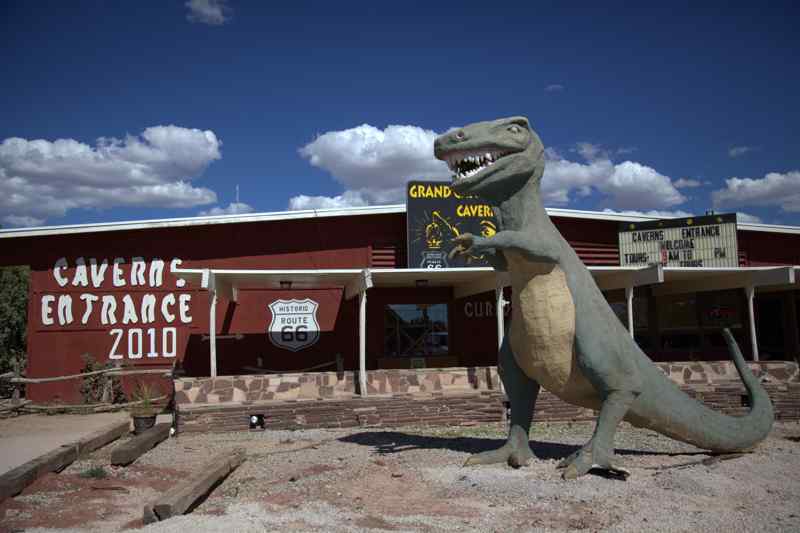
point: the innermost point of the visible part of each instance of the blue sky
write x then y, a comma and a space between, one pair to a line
134, 110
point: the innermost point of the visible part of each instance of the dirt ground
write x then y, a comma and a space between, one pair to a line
412, 479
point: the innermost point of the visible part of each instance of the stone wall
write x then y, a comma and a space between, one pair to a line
452, 396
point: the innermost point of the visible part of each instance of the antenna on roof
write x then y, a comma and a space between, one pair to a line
237, 193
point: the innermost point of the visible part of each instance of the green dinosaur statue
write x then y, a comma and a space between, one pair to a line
563, 335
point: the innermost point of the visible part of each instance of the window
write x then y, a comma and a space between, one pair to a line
416, 330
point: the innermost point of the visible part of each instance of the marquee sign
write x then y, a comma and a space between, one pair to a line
294, 324
707, 241
436, 214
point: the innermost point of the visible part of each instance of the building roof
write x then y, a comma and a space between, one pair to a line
319, 213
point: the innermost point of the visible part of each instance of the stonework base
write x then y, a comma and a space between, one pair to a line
451, 396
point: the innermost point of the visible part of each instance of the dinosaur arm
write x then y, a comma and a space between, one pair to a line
535, 249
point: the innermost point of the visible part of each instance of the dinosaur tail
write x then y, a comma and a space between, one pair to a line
668, 410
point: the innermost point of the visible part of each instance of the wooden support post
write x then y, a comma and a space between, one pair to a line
362, 342
129, 451
178, 499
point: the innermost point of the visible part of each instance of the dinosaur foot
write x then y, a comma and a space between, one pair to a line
587, 460
516, 451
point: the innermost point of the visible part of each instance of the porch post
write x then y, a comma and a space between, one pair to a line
212, 330
629, 300
750, 292
500, 313
362, 341
208, 282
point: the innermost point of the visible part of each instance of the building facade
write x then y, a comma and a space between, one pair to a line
329, 293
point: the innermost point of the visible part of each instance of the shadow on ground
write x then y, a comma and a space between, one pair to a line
388, 442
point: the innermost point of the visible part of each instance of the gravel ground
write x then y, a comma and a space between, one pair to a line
411, 479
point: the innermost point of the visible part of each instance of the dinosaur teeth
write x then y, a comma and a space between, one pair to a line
465, 165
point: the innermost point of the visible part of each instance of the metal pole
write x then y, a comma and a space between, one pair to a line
750, 292
362, 342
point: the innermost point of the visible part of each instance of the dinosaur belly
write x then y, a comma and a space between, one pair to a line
542, 331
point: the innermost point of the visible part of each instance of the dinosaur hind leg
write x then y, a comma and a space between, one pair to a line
522, 392
599, 451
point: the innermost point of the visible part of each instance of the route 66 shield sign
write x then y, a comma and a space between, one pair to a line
294, 324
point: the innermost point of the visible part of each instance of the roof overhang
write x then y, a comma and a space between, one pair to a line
471, 281
45, 231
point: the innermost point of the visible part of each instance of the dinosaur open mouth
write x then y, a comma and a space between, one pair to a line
466, 164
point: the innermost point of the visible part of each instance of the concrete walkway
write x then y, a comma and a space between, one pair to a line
26, 437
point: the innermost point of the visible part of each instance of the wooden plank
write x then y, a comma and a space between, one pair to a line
103, 436
14, 481
178, 499
129, 451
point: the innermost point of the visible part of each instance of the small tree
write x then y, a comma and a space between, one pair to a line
13, 317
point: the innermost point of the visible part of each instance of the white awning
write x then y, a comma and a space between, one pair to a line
470, 281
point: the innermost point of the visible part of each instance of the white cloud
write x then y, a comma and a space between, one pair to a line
554, 87
590, 152
234, 208
211, 12
626, 185
652, 213
737, 151
740, 217
373, 165
688, 183
40, 179
348, 199
774, 189
23, 221
745, 217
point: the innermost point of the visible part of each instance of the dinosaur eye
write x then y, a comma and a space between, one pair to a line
514, 128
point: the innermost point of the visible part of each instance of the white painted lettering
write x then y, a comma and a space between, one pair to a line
184, 300
138, 267
148, 312
176, 263
168, 300
98, 274
88, 300
47, 311
107, 310
61, 264
113, 353
81, 275
156, 272
119, 281
64, 309
129, 310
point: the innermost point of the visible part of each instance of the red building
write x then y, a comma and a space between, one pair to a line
321, 293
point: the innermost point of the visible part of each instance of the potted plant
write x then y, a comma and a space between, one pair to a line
143, 411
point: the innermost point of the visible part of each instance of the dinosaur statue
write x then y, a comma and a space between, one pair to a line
563, 335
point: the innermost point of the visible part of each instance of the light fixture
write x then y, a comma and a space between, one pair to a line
286, 285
